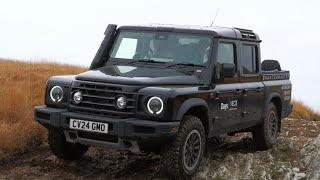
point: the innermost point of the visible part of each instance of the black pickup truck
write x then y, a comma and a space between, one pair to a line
167, 89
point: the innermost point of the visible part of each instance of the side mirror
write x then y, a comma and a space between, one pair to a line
228, 70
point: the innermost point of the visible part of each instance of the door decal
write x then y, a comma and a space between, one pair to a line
232, 105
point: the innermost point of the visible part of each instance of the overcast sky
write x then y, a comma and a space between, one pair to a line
71, 31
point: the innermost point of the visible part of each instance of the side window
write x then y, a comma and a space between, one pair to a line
249, 59
226, 53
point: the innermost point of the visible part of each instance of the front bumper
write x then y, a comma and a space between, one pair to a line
131, 133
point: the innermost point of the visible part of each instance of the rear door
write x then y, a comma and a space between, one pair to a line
251, 82
228, 94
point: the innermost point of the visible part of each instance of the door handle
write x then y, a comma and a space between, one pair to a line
245, 92
217, 94
238, 91
259, 89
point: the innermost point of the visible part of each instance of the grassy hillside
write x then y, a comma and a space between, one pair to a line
302, 111
22, 87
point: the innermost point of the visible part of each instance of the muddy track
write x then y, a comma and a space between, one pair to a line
234, 157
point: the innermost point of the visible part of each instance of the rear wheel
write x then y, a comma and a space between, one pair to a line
182, 158
265, 135
63, 149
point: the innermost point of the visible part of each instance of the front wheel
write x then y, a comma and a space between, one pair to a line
182, 158
265, 135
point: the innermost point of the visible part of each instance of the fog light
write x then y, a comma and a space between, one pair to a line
77, 97
121, 102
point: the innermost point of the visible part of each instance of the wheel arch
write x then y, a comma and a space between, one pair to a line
196, 107
274, 98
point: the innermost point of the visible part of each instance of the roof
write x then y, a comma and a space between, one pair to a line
224, 32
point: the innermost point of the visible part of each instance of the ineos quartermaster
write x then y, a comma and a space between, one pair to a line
167, 89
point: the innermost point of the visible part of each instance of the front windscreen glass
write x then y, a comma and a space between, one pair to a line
165, 47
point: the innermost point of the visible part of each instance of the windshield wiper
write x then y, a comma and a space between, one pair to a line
185, 64
145, 61
181, 67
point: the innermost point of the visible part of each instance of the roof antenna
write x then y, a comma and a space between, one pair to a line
214, 17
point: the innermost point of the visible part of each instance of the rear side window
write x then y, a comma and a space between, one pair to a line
226, 53
249, 59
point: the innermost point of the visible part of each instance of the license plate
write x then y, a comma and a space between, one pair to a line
88, 126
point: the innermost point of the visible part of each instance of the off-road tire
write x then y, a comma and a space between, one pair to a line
63, 149
263, 136
270, 65
172, 159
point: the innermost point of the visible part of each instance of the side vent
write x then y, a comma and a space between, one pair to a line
247, 34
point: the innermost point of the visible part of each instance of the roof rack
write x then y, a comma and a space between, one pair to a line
247, 33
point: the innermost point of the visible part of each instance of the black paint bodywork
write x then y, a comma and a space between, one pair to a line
199, 93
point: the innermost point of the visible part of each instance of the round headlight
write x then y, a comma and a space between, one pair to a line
77, 97
155, 105
121, 102
56, 94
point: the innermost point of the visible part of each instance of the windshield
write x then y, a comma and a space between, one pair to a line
177, 48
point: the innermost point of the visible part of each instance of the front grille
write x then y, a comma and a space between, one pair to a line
99, 98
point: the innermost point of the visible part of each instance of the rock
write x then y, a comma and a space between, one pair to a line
229, 159
280, 170
223, 171
291, 145
248, 173
293, 174
300, 175
263, 175
311, 158
51, 158
204, 173
295, 169
289, 175
314, 174
270, 157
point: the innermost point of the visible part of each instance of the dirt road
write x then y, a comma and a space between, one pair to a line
234, 157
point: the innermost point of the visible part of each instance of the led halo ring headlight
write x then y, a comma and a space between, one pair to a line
77, 97
56, 94
155, 105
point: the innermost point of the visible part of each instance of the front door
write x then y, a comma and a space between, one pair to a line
227, 99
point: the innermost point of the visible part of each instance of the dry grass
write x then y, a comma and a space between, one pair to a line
22, 87
302, 111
